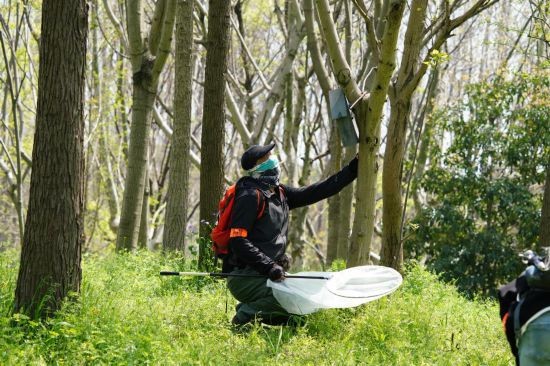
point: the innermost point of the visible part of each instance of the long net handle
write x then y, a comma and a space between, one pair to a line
216, 274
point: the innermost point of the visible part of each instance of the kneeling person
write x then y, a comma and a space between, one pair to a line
259, 228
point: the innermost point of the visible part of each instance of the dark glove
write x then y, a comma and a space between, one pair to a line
285, 261
276, 273
353, 165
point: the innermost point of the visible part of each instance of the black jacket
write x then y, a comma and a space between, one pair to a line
534, 300
266, 238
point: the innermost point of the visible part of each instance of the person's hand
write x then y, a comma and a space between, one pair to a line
285, 261
276, 273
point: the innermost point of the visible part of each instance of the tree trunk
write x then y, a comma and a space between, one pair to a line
392, 248
178, 180
140, 131
340, 221
213, 126
369, 115
346, 203
143, 235
334, 202
51, 253
544, 238
148, 59
424, 140
299, 215
16, 189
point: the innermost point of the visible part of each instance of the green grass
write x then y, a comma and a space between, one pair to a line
128, 315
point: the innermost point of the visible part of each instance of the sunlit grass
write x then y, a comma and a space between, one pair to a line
128, 314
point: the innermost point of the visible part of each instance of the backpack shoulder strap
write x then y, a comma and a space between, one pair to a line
259, 195
262, 204
282, 193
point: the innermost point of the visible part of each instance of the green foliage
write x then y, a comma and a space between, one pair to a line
485, 191
128, 314
436, 58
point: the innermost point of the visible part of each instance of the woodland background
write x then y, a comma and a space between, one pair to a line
451, 101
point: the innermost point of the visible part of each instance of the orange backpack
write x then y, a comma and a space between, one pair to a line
221, 233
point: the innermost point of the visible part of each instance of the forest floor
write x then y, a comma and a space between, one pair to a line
126, 314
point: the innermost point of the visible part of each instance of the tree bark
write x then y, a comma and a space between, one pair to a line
147, 63
392, 248
143, 235
334, 202
51, 253
178, 180
11, 85
299, 215
424, 140
343, 226
544, 237
346, 203
400, 102
140, 131
411, 71
369, 119
213, 126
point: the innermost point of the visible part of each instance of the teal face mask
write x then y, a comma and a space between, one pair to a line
267, 172
270, 163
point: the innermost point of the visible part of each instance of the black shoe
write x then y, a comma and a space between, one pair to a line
241, 325
238, 322
286, 320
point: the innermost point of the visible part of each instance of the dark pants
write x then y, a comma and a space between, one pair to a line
256, 299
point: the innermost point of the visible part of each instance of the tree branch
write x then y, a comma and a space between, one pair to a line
340, 65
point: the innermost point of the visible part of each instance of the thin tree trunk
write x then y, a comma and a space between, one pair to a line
299, 215
368, 119
51, 253
12, 82
296, 34
213, 126
400, 102
340, 220
411, 71
544, 237
334, 214
140, 131
334, 202
94, 118
143, 235
424, 140
180, 161
148, 59
392, 250
346, 203
248, 70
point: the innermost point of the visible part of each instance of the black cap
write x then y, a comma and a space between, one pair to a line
253, 153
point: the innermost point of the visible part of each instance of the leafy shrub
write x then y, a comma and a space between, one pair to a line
483, 202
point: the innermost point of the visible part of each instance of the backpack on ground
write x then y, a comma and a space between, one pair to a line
221, 233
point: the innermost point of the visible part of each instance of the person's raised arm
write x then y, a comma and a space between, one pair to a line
303, 196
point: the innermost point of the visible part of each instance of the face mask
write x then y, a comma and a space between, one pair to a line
270, 163
267, 172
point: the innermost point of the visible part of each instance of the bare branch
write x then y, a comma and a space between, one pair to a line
116, 23
341, 68
135, 41
165, 38
249, 54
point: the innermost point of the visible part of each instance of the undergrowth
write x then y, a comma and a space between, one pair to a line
126, 314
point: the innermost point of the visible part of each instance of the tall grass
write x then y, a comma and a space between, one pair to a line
127, 314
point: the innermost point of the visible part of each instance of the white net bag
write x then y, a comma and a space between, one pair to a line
348, 288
